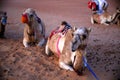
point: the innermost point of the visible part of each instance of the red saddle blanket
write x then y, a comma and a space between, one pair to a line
57, 31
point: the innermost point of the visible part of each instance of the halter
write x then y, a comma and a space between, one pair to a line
77, 40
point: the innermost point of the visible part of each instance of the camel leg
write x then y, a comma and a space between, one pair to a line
65, 66
92, 20
106, 24
42, 42
47, 50
104, 21
25, 43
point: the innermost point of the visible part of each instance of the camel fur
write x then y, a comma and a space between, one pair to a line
34, 31
72, 47
105, 18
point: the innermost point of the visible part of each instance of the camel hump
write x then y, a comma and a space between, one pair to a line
69, 32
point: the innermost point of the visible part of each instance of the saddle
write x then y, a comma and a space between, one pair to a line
63, 32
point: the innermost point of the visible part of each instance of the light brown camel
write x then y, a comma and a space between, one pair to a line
106, 18
70, 48
34, 31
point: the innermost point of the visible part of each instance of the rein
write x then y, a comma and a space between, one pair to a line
90, 69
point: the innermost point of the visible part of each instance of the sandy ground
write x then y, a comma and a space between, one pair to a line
19, 63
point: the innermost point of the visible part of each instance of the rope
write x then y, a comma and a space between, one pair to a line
90, 69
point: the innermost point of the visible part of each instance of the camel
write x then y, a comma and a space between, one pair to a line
34, 31
105, 18
69, 48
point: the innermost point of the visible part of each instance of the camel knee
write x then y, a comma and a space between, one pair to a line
25, 43
92, 20
65, 66
47, 50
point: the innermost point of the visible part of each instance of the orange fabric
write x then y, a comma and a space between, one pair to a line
24, 18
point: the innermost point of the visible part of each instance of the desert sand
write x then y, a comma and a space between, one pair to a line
20, 63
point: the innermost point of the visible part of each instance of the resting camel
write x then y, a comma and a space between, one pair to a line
70, 48
34, 31
105, 18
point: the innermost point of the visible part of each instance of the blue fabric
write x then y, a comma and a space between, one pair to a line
100, 11
4, 21
85, 62
90, 69
100, 5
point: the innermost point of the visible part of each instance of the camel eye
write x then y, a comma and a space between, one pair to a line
84, 37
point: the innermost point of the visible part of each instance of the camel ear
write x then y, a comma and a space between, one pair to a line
74, 28
89, 30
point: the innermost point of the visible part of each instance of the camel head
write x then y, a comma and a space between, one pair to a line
28, 16
79, 43
80, 37
118, 10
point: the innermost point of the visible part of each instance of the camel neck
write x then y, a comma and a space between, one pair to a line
115, 16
